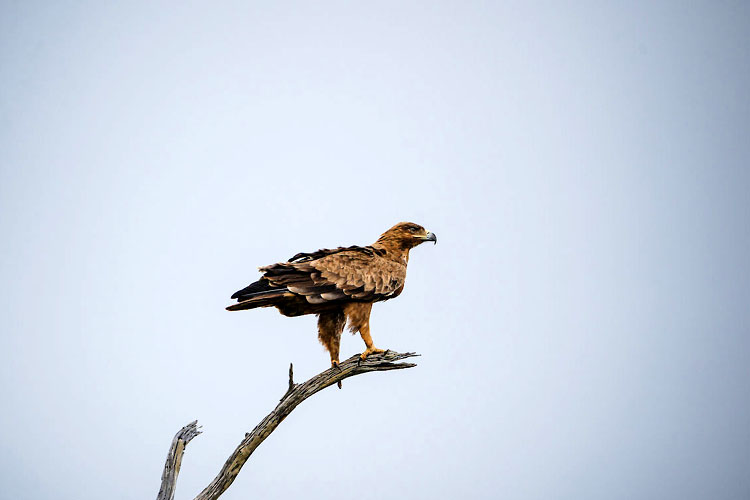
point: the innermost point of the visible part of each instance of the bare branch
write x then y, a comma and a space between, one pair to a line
293, 397
174, 460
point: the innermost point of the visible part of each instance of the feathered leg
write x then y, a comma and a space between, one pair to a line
359, 321
365, 333
330, 326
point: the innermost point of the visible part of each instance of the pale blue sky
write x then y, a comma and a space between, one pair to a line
583, 321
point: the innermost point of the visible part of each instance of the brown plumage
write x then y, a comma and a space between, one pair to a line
337, 284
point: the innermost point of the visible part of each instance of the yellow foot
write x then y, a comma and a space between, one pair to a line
370, 350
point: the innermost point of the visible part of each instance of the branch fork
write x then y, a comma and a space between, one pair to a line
295, 394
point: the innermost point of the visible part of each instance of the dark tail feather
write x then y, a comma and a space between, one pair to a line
258, 299
262, 285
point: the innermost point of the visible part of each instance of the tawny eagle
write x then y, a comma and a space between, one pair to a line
338, 284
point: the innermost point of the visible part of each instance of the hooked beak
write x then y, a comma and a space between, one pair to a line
431, 237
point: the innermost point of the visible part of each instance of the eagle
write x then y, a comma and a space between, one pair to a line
338, 285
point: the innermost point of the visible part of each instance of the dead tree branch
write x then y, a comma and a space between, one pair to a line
174, 460
295, 394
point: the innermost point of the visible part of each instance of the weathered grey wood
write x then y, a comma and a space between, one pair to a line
174, 460
295, 394
293, 397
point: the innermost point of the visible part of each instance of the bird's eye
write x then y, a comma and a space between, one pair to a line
412, 229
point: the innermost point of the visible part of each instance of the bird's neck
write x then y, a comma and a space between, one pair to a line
393, 250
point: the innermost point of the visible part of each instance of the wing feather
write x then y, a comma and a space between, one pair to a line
344, 273
361, 276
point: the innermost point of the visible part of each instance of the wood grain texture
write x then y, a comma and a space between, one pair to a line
295, 394
174, 460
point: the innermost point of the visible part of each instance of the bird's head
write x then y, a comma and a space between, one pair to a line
406, 235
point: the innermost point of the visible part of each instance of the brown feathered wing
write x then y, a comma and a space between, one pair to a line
361, 274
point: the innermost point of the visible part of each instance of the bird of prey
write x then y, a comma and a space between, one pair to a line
337, 284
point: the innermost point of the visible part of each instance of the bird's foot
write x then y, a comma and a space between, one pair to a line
370, 350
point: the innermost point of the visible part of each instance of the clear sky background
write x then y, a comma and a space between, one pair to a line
584, 319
